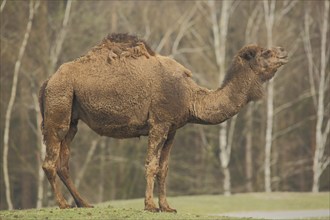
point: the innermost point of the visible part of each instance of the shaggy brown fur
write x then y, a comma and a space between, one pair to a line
140, 95
128, 41
123, 46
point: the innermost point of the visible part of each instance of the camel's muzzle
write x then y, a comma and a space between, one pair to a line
281, 54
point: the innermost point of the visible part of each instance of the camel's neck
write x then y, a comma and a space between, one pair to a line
214, 107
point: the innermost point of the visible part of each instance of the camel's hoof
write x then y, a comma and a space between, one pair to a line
151, 209
168, 209
65, 206
84, 205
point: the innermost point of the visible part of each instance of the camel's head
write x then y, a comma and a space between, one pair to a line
264, 62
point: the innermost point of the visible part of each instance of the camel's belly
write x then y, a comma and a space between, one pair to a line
111, 119
122, 131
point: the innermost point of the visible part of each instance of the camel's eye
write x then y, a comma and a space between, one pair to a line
248, 55
266, 53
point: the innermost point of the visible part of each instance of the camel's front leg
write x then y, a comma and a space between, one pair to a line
157, 137
162, 174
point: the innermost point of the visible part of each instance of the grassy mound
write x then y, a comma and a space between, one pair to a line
189, 207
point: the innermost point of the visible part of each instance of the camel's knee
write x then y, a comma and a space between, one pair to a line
54, 135
49, 169
62, 168
63, 171
52, 155
61, 132
162, 172
151, 168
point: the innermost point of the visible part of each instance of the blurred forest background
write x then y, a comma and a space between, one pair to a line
280, 143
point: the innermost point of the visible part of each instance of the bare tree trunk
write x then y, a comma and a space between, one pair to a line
41, 155
55, 51
225, 159
24, 137
219, 35
32, 10
102, 164
269, 12
268, 139
269, 8
248, 150
320, 161
83, 169
252, 29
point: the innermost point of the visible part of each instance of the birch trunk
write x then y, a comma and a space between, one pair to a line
32, 9
318, 83
219, 35
42, 153
251, 34
269, 11
248, 150
320, 161
55, 51
102, 165
84, 167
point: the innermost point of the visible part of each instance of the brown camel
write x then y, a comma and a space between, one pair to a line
122, 89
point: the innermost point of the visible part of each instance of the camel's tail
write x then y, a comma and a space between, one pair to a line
41, 101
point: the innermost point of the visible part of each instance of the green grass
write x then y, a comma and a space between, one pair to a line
189, 207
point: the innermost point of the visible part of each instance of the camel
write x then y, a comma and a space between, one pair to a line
122, 89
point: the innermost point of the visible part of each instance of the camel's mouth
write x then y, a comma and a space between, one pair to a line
281, 54
283, 59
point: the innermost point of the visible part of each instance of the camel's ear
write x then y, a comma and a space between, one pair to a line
248, 54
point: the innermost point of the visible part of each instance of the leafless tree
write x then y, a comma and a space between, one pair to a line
33, 6
319, 81
269, 8
220, 30
271, 14
251, 36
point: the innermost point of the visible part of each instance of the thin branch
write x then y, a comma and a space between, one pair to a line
325, 134
187, 51
286, 9
251, 23
205, 143
168, 33
216, 32
325, 164
309, 54
83, 169
292, 103
3, 3
179, 36
56, 49
292, 127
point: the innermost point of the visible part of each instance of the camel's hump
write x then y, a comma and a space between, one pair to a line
120, 46
129, 41
126, 45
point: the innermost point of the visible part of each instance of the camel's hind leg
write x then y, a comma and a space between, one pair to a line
49, 166
56, 104
162, 174
63, 167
